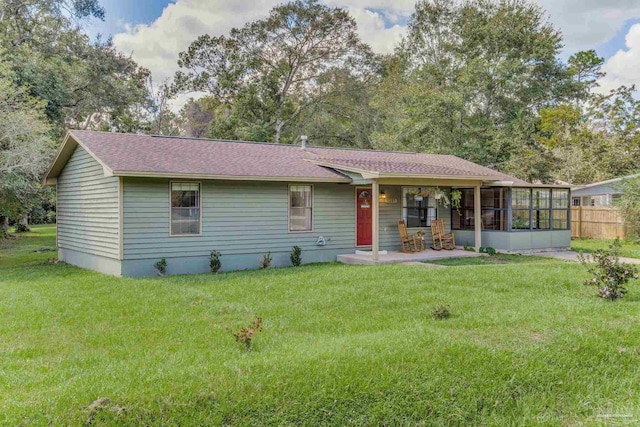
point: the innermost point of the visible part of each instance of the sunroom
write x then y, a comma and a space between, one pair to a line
515, 218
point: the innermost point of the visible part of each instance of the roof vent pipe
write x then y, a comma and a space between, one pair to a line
303, 138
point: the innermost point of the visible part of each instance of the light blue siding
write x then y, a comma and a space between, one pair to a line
391, 212
517, 240
597, 190
241, 219
87, 206
92, 262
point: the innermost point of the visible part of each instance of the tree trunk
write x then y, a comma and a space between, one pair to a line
4, 227
24, 222
279, 122
278, 131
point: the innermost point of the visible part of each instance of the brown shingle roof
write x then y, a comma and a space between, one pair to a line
400, 163
144, 155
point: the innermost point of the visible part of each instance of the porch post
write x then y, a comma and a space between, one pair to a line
477, 210
375, 206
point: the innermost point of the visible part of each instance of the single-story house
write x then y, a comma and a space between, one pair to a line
125, 201
601, 193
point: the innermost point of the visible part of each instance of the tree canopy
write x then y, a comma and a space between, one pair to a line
55, 78
274, 68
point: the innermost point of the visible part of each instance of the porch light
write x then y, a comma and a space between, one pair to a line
383, 195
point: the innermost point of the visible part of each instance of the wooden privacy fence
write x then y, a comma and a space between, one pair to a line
597, 222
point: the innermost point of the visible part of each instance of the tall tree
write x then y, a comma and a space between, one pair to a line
198, 114
479, 71
597, 141
287, 53
67, 80
86, 83
345, 116
25, 148
41, 22
585, 69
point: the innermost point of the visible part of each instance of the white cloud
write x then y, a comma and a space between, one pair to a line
371, 28
623, 68
156, 46
585, 24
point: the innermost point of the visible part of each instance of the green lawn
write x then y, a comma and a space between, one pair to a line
495, 259
527, 344
629, 249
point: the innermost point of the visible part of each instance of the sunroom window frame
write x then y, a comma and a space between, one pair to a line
531, 210
567, 210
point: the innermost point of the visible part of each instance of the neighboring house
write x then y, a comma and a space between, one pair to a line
125, 201
602, 193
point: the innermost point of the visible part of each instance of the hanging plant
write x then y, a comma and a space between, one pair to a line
441, 197
421, 192
456, 199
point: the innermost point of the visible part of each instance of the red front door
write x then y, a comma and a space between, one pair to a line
363, 217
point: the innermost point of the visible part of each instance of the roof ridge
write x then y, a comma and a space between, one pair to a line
368, 150
108, 132
236, 141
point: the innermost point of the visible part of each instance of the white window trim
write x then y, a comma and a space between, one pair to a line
171, 182
313, 201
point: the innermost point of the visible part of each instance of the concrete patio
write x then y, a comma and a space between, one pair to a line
395, 257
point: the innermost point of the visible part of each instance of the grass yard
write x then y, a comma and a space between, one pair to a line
527, 344
495, 259
629, 249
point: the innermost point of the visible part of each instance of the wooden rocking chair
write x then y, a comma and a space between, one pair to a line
410, 242
441, 239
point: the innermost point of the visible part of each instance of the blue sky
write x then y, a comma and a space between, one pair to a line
617, 42
155, 31
121, 12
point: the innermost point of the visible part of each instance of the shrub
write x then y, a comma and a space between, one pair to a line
629, 205
468, 248
441, 311
214, 262
245, 335
608, 274
161, 267
265, 262
21, 228
488, 250
296, 256
50, 217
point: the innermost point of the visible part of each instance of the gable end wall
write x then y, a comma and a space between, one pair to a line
87, 215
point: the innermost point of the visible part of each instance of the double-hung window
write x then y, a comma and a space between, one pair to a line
541, 208
520, 209
494, 208
463, 218
418, 209
560, 209
185, 209
300, 208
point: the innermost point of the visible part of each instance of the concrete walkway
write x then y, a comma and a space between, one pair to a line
573, 256
394, 257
